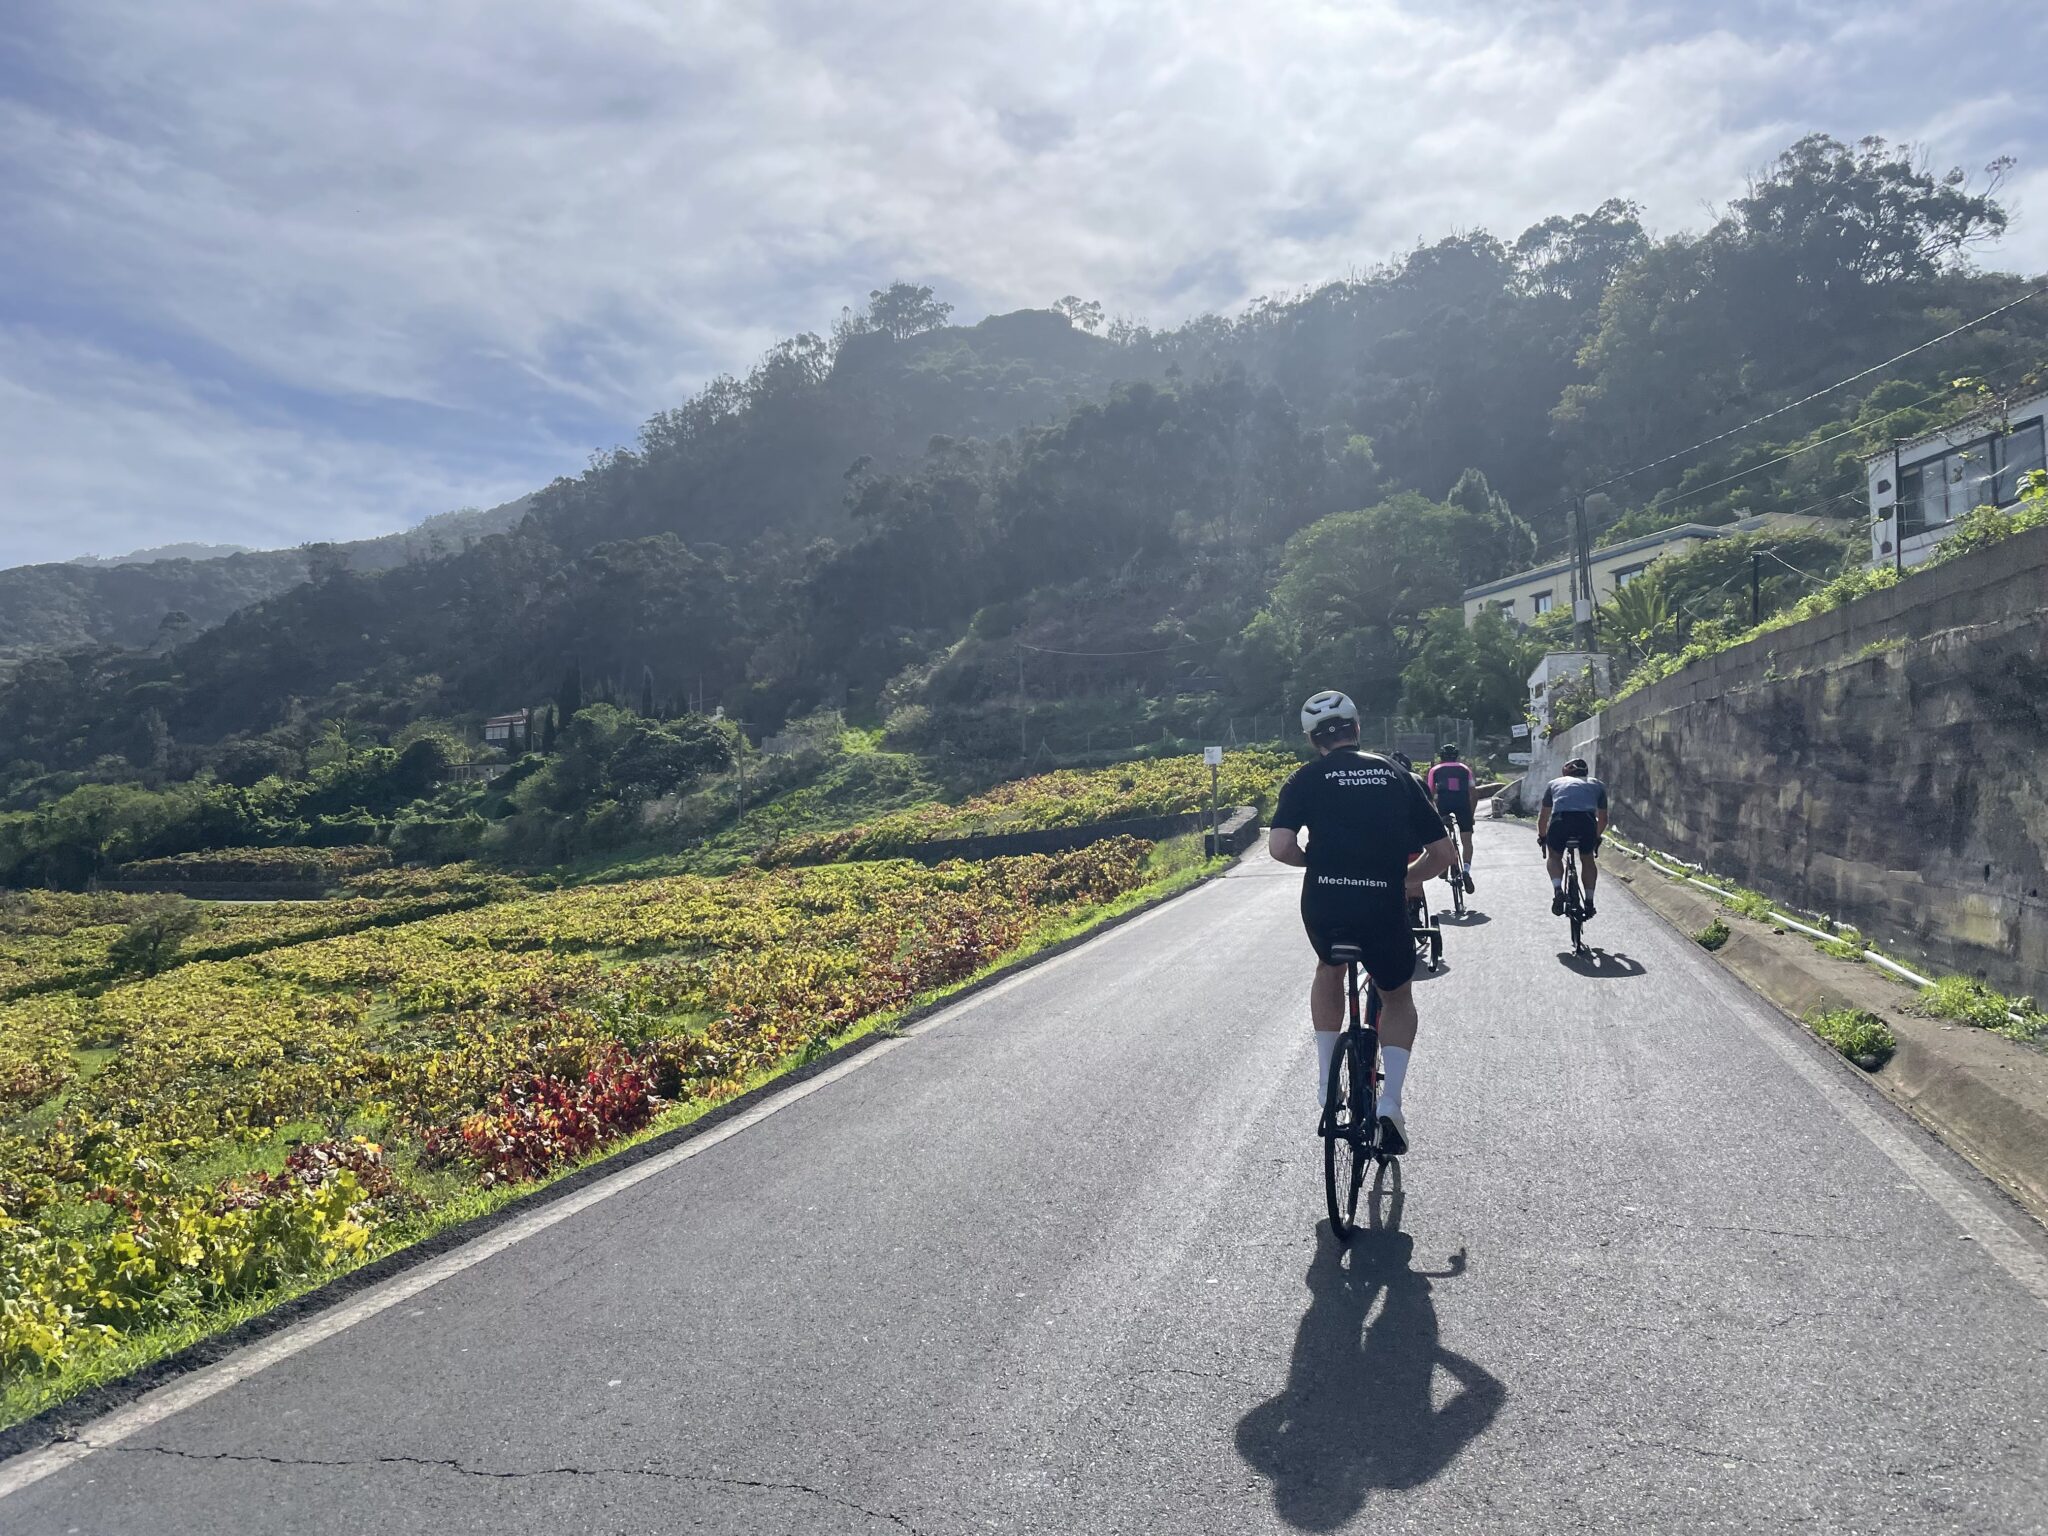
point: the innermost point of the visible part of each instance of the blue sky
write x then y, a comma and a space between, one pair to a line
277, 270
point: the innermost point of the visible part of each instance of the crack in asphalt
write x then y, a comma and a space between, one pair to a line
1696, 1450
450, 1464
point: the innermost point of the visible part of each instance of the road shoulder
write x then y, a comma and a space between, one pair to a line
1981, 1094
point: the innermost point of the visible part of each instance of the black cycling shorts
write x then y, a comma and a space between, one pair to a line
1461, 814
1581, 827
1375, 918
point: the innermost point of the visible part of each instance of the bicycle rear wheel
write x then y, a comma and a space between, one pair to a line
1350, 1126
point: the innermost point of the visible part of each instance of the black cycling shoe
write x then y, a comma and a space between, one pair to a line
1393, 1140
1557, 904
1469, 886
1589, 914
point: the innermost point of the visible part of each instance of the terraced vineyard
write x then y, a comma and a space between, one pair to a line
317, 1082
1066, 798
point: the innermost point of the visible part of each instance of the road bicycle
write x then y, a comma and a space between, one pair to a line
1574, 900
1427, 932
1351, 1117
1456, 874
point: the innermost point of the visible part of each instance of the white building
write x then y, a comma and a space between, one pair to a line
1526, 594
1559, 668
1980, 461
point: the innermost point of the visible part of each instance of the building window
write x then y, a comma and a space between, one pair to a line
1542, 602
1628, 574
1937, 491
2018, 457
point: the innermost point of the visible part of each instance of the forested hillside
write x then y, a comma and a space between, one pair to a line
902, 517
127, 600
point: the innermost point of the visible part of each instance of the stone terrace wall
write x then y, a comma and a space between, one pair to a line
1886, 763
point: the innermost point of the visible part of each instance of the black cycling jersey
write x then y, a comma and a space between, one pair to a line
1365, 817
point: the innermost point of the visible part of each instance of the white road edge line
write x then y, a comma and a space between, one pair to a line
155, 1406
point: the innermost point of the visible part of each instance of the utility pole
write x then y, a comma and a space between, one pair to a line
1582, 577
1023, 720
1756, 560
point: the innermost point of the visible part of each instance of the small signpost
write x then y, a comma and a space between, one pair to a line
1213, 756
1521, 759
1519, 730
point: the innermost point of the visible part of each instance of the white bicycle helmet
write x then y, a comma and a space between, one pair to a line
1326, 712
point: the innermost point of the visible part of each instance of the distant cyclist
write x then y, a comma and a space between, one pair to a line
1450, 785
1574, 807
1364, 817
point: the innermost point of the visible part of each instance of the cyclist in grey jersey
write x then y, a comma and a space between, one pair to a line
1574, 810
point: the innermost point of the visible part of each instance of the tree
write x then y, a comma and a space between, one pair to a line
649, 762
1640, 620
569, 697
153, 936
903, 310
1478, 672
549, 730
647, 693
1493, 541
1352, 592
1083, 314
1867, 214
421, 767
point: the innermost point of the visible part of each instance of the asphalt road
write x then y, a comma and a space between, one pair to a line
1054, 1263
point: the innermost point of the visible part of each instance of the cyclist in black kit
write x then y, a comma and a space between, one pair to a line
1364, 816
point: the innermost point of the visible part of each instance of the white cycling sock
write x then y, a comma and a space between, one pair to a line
1557, 884
1326, 1051
1394, 1069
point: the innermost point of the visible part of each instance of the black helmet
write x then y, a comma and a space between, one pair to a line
1577, 768
1404, 760
1448, 751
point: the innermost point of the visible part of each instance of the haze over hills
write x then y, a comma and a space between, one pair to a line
163, 552
882, 519
124, 600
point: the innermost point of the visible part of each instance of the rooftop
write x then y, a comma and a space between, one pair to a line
1641, 541
1948, 436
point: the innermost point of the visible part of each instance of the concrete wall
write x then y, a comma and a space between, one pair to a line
1886, 763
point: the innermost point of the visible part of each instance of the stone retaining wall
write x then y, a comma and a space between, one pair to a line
1886, 763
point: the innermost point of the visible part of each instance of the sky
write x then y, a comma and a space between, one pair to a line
280, 270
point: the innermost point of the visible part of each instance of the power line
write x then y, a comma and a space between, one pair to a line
1708, 442
1046, 650
1850, 431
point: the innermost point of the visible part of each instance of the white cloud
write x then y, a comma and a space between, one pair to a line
556, 219
157, 461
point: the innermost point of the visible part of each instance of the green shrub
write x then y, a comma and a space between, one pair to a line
1968, 1001
1713, 936
1859, 1035
1748, 903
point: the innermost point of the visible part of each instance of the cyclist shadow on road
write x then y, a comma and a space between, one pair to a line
1602, 965
1357, 1412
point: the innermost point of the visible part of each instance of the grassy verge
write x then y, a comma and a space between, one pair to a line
1959, 998
1857, 1033
1172, 867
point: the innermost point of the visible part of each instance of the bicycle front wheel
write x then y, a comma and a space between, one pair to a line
1349, 1125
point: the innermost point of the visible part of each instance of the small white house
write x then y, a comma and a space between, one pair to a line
1559, 668
1980, 461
